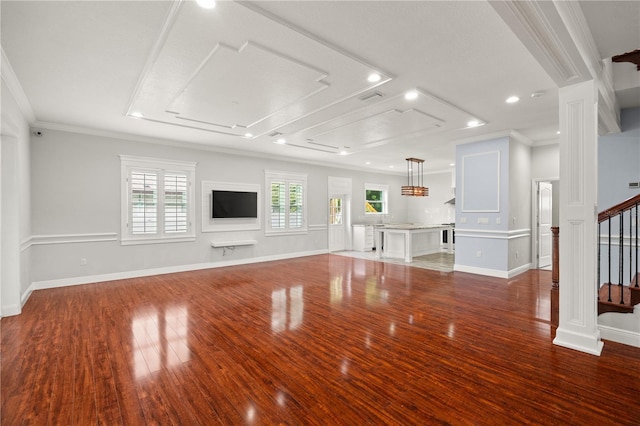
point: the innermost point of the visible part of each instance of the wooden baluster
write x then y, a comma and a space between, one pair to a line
609, 245
621, 259
637, 226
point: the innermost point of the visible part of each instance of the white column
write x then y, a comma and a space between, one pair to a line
577, 327
10, 242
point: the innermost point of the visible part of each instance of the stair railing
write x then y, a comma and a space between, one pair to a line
617, 213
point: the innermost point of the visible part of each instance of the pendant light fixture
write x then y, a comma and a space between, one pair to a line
415, 183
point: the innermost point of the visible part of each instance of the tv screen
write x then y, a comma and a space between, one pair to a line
229, 204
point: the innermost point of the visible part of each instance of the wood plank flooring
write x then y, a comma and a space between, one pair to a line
321, 340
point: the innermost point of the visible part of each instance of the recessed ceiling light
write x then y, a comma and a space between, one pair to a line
206, 4
281, 141
411, 95
473, 123
391, 167
512, 99
558, 132
137, 114
248, 135
452, 164
374, 77
537, 94
367, 163
344, 153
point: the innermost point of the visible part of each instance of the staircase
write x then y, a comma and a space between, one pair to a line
618, 275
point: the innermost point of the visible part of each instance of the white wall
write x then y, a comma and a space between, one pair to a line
15, 219
76, 193
545, 162
519, 205
432, 209
619, 161
545, 165
482, 236
493, 238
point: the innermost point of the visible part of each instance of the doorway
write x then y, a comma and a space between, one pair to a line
337, 227
339, 214
545, 215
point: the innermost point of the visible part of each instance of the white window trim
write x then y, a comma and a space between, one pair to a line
385, 201
288, 178
130, 162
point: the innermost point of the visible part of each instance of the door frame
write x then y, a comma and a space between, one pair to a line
534, 216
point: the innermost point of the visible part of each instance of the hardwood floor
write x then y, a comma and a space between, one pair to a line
317, 340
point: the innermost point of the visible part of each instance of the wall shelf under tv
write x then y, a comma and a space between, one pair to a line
233, 243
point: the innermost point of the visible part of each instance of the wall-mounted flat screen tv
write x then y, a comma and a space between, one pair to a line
234, 204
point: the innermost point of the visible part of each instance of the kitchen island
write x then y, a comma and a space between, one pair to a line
405, 241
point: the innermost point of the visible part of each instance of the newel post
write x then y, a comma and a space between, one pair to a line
555, 260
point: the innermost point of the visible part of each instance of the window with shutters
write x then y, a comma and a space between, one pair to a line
157, 200
286, 203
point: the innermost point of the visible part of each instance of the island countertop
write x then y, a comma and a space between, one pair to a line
412, 226
406, 240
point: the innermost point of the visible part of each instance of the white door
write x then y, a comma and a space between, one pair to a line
545, 191
337, 226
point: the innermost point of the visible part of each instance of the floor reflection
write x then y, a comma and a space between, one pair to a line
279, 300
373, 293
160, 339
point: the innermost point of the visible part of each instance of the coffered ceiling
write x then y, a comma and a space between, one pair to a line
355, 84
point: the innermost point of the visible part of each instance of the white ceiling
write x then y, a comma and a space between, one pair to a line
242, 75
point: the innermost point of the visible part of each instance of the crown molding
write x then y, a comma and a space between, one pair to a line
556, 33
15, 88
600, 70
511, 134
43, 125
542, 30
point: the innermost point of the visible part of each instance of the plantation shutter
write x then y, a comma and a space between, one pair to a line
175, 202
278, 199
144, 202
295, 206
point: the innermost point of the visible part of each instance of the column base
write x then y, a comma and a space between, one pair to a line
589, 343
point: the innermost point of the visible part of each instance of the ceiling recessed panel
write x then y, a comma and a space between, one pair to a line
389, 121
242, 87
235, 71
379, 128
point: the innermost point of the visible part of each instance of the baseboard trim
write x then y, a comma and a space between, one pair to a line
519, 270
26, 295
492, 272
65, 282
11, 310
625, 337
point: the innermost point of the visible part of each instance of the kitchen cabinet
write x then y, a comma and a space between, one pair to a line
363, 238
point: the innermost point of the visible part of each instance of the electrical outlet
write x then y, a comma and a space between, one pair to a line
83, 261
498, 221
479, 253
517, 254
